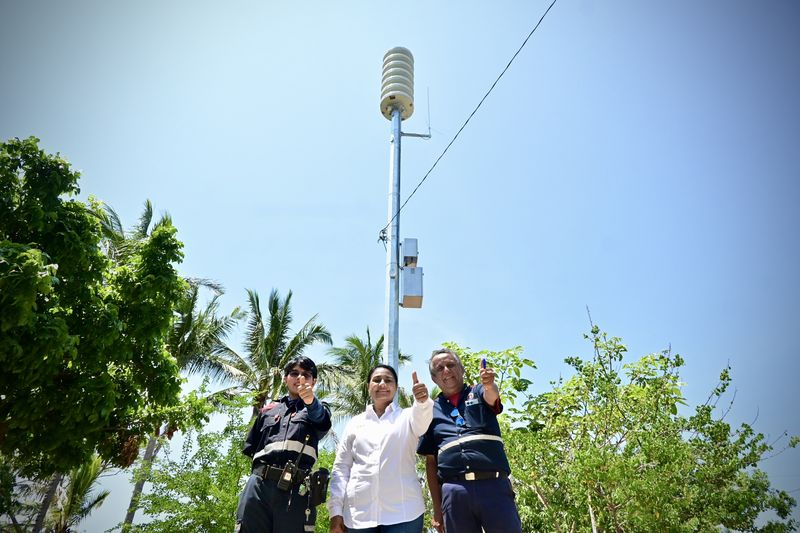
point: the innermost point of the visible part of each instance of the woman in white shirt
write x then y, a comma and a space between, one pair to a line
374, 484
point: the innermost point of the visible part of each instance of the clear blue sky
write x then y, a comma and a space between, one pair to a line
640, 159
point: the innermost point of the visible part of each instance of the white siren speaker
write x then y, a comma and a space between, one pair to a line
397, 85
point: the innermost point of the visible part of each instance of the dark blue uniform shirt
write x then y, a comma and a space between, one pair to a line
278, 434
474, 447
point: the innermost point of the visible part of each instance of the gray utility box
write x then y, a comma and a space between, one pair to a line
409, 251
411, 288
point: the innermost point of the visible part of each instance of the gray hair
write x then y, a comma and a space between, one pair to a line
440, 351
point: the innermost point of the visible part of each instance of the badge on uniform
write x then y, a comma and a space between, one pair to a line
472, 401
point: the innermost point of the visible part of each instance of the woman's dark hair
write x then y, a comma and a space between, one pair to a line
303, 362
376, 367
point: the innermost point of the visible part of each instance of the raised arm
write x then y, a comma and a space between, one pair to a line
490, 391
422, 410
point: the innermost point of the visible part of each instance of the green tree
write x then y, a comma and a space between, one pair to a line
196, 337
82, 337
199, 490
607, 450
77, 499
269, 345
345, 376
196, 334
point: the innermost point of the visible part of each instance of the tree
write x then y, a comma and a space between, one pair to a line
196, 334
196, 337
199, 490
607, 450
269, 346
77, 500
82, 337
345, 377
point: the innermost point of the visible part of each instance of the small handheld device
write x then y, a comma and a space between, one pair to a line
483, 363
290, 471
287, 476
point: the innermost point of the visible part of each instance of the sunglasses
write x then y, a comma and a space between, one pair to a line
295, 374
460, 422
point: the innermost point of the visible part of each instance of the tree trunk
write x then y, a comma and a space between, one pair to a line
591, 513
48, 499
15, 523
147, 462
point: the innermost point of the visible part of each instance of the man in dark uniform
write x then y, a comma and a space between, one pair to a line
283, 444
465, 462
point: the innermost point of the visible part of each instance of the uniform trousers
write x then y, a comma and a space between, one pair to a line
468, 505
264, 508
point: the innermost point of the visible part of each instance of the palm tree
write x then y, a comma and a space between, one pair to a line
118, 244
346, 377
196, 335
76, 500
268, 345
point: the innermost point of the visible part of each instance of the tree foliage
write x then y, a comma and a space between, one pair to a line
77, 499
269, 345
344, 379
199, 490
609, 450
82, 334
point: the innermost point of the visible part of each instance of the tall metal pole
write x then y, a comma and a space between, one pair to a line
392, 326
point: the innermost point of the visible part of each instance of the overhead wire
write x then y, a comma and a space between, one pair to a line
382, 232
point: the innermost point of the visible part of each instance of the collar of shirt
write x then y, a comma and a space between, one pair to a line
292, 403
391, 408
454, 399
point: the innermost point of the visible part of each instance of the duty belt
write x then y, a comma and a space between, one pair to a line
472, 476
274, 473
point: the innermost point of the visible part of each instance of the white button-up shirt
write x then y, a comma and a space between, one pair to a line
374, 479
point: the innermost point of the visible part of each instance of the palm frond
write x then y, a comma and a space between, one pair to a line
141, 229
280, 319
206, 283
254, 335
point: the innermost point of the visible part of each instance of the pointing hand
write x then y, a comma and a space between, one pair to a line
305, 390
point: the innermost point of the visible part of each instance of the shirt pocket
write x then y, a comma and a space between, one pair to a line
269, 425
475, 414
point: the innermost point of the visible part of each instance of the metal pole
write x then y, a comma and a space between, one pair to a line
392, 326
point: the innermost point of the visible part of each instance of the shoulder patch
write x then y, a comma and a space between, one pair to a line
267, 407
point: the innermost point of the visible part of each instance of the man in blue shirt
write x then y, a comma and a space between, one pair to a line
283, 444
465, 462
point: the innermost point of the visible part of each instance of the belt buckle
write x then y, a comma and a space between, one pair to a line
469, 476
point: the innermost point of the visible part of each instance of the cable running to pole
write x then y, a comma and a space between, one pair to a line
382, 232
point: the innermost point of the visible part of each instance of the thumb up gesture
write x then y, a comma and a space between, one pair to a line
420, 390
305, 390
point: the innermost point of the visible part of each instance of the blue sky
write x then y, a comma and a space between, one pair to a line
640, 159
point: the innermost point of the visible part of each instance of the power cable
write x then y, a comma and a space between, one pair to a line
382, 232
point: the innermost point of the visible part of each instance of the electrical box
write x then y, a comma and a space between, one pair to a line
409, 251
411, 287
